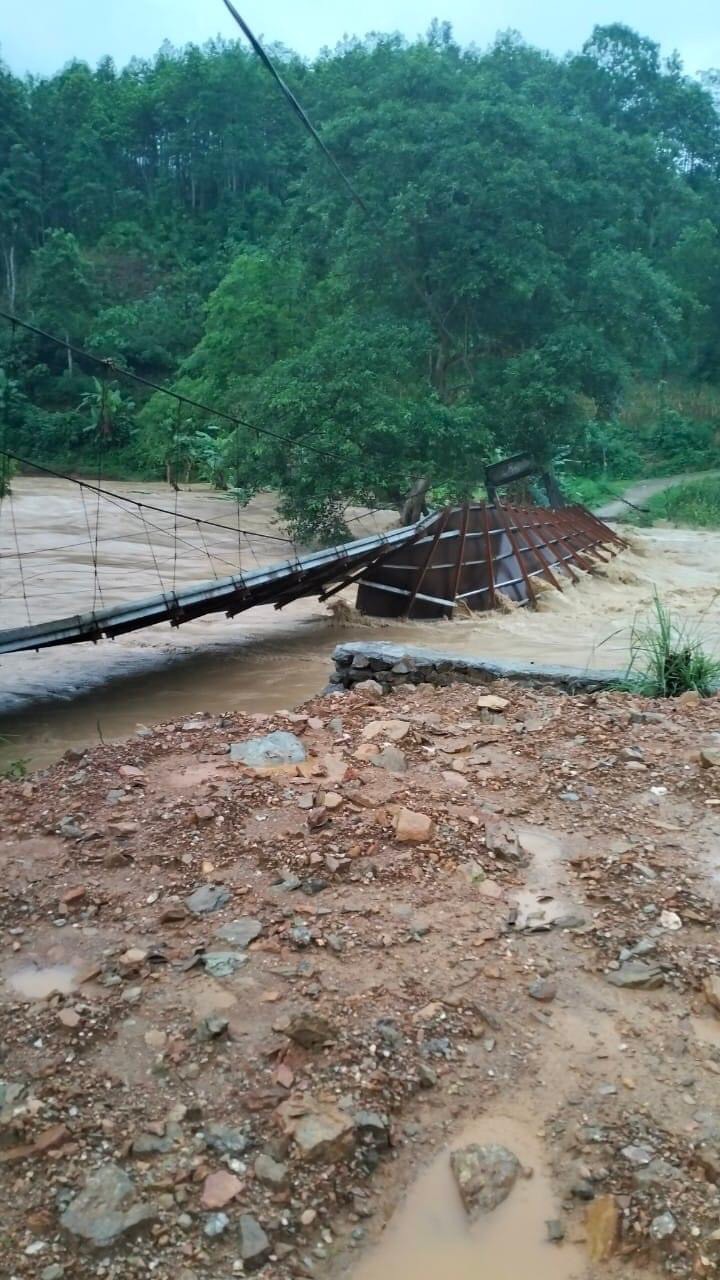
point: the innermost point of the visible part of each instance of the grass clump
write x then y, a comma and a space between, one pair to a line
667, 658
695, 503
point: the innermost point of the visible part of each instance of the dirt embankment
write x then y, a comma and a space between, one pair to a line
240, 1008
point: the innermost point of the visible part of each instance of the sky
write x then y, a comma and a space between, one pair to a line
42, 36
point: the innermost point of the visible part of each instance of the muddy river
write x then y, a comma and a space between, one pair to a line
262, 660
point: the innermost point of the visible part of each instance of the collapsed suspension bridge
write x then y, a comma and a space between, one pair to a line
475, 557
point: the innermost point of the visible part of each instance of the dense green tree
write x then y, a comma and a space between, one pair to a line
542, 240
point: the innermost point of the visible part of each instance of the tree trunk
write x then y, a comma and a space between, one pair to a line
416, 502
69, 355
10, 276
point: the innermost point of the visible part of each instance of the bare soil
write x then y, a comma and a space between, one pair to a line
390, 993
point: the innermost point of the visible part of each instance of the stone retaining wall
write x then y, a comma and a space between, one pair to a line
394, 664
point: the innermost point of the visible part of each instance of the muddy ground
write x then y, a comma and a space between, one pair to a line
448, 922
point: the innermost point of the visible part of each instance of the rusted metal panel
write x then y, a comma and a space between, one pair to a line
481, 552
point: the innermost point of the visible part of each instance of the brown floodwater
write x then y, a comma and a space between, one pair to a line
262, 660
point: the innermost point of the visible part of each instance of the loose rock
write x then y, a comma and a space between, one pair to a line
485, 1176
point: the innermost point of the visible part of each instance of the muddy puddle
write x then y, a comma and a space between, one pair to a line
263, 660
430, 1236
38, 982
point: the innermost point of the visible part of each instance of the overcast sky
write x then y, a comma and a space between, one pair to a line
43, 35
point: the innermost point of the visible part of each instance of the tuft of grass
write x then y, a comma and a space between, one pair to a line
667, 658
695, 503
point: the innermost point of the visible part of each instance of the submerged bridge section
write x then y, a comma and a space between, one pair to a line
475, 557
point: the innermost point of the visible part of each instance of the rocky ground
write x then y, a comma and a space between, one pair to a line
248, 988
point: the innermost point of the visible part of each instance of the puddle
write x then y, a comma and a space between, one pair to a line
430, 1236
542, 900
537, 910
35, 983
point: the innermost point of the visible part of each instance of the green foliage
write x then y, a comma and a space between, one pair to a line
694, 504
15, 770
541, 271
667, 657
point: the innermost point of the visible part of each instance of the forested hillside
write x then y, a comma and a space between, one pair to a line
541, 268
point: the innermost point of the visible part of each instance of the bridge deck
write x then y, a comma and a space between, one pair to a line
278, 584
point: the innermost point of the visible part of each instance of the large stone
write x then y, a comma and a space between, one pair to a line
272, 751
223, 964
107, 1209
602, 1227
710, 757
254, 1244
485, 1176
208, 897
271, 1172
412, 827
637, 976
310, 1029
219, 1189
240, 933
390, 758
389, 730
321, 1132
491, 702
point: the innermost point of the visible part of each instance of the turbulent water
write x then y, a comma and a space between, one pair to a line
264, 659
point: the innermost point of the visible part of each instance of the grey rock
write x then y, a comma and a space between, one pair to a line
274, 749
635, 975
542, 989
336, 943
389, 1033
663, 1227
373, 1129
208, 897
216, 1224
392, 759
555, 1230
254, 1244
300, 935
313, 885
107, 1209
211, 1028
240, 933
427, 1077
223, 964
637, 1155
272, 1173
150, 1144
70, 829
53, 1272
220, 1137
372, 690
485, 1176
644, 947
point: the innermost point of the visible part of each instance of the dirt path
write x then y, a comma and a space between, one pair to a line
638, 493
253, 1011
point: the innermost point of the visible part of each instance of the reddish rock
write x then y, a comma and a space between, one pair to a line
219, 1189
412, 827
